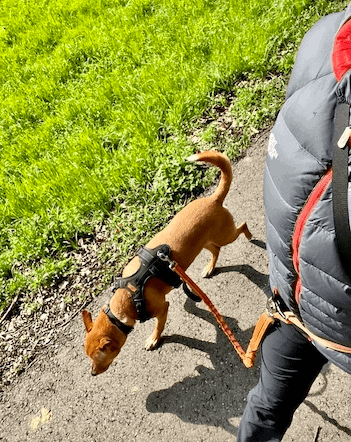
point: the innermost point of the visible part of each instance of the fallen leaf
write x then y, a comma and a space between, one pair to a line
42, 418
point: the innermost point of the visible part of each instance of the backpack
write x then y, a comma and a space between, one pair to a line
306, 190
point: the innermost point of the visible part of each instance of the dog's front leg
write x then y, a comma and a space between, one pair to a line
152, 342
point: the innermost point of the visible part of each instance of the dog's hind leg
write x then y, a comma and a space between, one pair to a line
208, 270
244, 229
226, 237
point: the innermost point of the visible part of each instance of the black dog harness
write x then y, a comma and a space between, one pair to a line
153, 263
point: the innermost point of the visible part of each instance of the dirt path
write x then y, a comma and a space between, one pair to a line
193, 387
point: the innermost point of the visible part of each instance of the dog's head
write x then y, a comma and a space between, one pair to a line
103, 341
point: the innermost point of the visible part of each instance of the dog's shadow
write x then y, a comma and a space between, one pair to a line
256, 277
215, 395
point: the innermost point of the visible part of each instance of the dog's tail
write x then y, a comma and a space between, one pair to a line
222, 162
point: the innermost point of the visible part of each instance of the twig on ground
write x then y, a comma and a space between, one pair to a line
317, 434
13, 303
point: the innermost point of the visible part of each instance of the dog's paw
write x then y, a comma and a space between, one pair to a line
151, 343
207, 271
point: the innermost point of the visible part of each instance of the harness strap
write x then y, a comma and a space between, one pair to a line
126, 329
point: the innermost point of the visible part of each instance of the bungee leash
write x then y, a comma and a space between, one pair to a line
248, 357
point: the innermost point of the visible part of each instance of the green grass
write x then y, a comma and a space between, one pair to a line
97, 101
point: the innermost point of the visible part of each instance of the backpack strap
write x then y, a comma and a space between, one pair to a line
340, 162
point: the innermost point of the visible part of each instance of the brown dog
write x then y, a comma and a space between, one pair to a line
204, 223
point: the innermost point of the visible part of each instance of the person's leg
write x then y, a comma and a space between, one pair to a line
289, 366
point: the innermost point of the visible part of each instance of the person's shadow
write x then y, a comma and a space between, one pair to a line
217, 394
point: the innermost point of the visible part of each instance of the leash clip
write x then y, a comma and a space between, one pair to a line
164, 257
272, 307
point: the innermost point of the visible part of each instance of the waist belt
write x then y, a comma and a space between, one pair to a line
151, 265
276, 309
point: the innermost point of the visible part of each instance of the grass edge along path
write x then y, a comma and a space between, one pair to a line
89, 136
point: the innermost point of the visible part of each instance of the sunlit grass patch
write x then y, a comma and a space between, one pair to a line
97, 100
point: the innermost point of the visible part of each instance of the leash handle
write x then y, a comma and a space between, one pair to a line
262, 324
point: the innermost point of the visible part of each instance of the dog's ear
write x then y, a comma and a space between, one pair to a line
87, 319
104, 344
108, 344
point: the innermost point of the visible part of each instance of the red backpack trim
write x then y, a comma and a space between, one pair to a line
341, 57
311, 202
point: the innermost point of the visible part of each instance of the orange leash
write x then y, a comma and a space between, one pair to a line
248, 357
263, 323
266, 319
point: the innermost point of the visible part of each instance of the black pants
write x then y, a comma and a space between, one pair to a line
289, 366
